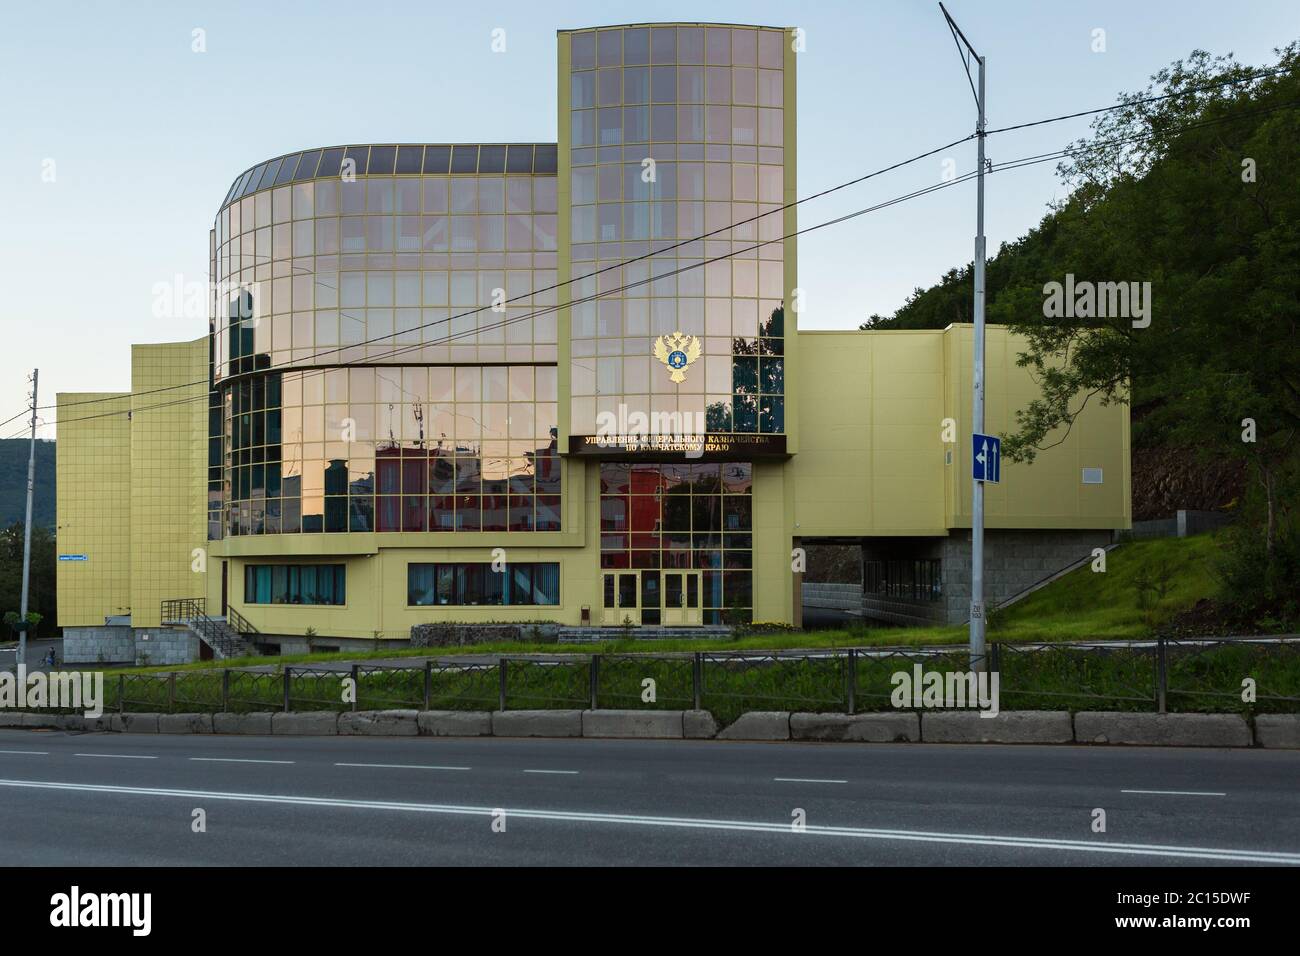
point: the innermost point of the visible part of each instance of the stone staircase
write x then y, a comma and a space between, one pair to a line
225, 634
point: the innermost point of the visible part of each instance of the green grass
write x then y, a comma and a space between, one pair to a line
1065, 678
1088, 605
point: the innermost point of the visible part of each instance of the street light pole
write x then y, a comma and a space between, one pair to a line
978, 650
27, 530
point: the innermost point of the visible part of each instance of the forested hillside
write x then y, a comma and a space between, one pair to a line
1193, 186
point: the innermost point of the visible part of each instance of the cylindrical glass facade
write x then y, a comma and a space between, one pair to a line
415, 267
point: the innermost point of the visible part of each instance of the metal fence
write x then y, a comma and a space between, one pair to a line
1236, 675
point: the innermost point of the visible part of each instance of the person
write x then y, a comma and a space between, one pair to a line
49, 658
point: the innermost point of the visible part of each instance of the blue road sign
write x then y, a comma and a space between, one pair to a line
73, 557
986, 457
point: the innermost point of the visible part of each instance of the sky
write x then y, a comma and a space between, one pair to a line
120, 140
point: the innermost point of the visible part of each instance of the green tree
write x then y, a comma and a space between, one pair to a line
1196, 194
41, 596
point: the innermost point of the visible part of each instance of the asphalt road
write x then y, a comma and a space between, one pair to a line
114, 800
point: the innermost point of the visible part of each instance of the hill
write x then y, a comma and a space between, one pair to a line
13, 483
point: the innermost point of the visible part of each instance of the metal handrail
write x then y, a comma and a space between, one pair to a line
218, 634
240, 623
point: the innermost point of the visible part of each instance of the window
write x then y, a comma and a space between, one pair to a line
908, 580
294, 584
468, 585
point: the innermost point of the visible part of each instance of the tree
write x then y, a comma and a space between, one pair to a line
1196, 195
41, 596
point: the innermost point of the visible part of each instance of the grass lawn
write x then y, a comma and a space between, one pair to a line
1083, 605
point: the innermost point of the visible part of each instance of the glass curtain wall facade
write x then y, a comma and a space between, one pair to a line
428, 271
677, 132
683, 516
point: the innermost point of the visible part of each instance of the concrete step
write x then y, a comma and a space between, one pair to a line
594, 635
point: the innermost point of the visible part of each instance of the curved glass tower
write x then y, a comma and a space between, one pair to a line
381, 361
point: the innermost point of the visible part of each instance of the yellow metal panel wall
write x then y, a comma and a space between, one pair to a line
1050, 493
873, 461
773, 576
377, 600
93, 501
168, 457
870, 457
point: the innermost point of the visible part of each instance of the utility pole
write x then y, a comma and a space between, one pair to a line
27, 529
978, 652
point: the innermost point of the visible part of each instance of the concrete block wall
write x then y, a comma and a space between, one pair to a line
165, 645
96, 645
123, 644
842, 597
1013, 561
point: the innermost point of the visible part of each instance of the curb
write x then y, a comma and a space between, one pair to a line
1273, 731
881, 728
1008, 727
1162, 730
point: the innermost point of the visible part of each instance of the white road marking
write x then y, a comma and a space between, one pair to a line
1181, 793
805, 780
400, 766
119, 756
694, 823
236, 760
550, 771
39, 753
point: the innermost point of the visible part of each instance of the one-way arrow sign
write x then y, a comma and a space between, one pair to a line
986, 460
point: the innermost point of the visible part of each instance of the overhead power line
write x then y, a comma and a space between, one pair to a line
625, 262
1140, 101
1003, 166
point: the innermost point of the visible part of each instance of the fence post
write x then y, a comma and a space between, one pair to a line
995, 657
851, 679
355, 673
171, 692
697, 679
121, 693
501, 674
1162, 673
594, 679
225, 689
287, 701
428, 683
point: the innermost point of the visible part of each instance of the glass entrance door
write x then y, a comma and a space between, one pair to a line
652, 598
619, 598
650, 613
682, 599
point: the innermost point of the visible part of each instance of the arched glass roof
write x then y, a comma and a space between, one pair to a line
389, 159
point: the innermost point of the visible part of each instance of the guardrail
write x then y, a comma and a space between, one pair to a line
1237, 675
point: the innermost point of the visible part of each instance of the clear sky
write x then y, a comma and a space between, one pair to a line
146, 135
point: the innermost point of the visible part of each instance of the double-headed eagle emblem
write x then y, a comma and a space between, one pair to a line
677, 352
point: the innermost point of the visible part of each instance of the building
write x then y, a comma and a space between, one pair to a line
427, 362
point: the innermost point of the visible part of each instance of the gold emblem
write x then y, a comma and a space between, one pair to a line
677, 352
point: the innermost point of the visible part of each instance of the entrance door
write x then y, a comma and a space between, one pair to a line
620, 590
682, 599
650, 613
223, 590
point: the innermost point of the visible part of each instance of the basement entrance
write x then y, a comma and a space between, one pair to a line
653, 598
